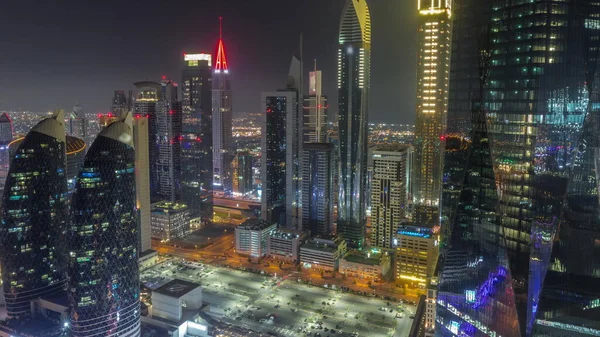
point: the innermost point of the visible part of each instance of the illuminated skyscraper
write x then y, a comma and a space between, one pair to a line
35, 212
221, 123
196, 143
354, 81
314, 119
103, 263
432, 99
389, 192
281, 149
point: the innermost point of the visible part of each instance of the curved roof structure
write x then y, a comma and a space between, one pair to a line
74, 145
53, 126
121, 130
355, 25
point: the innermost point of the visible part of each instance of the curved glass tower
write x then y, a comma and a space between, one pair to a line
34, 218
354, 65
103, 264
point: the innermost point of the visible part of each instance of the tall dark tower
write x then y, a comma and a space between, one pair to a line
354, 67
103, 264
533, 269
167, 140
34, 218
196, 143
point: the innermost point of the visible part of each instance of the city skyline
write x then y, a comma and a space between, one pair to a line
91, 40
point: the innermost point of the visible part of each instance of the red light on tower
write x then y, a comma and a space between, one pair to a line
221, 61
442, 137
269, 110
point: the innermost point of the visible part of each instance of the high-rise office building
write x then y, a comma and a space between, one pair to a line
354, 81
35, 213
221, 122
527, 275
281, 148
77, 126
166, 179
104, 281
144, 125
389, 192
142, 178
317, 188
432, 100
314, 114
417, 250
121, 103
6, 137
196, 143
242, 172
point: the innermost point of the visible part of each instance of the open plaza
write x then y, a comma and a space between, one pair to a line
280, 305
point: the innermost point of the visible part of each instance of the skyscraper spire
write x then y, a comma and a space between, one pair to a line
221, 62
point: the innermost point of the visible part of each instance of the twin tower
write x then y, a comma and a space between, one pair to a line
83, 251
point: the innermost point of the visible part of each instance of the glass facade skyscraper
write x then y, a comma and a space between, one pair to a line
196, 143
166, 179
34, 219
317, 188
281, 148
520, 254
103, 238
353, 82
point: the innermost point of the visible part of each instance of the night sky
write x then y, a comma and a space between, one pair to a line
52, 55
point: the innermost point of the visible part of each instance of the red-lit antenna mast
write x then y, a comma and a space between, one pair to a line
221, 61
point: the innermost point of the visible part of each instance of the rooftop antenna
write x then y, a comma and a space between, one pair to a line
220, 27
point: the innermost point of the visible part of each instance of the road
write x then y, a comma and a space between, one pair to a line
244, 205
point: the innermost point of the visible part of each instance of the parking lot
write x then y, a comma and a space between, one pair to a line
283, 306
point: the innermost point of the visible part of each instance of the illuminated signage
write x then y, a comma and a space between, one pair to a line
198, 57
470, 296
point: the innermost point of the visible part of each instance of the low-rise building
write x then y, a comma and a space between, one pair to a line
170, 300
416, 254
322, 253
373, 264
170, 220
251, 237
284, 245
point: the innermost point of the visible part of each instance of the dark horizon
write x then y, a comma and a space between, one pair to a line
53, 56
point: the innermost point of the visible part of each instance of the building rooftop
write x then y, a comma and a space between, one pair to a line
255, 224
285, 234
177, 288
324, 245
371, 257
168, 207
416, 231
391, 147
